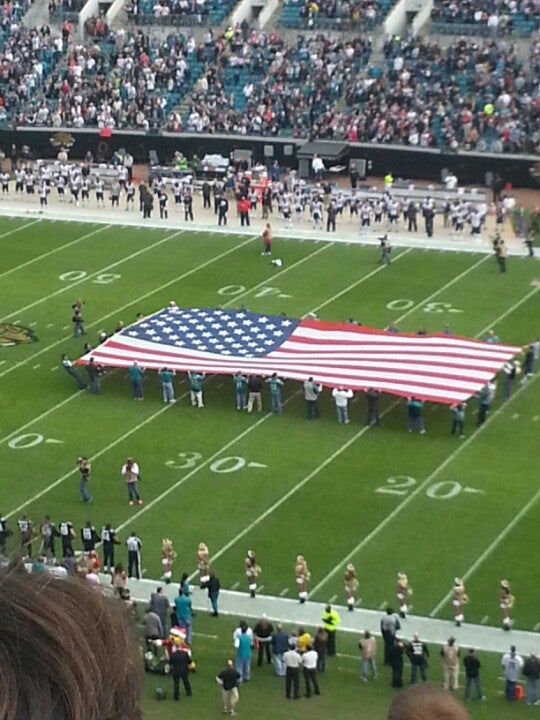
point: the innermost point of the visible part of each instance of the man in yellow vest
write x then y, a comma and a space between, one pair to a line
330, 620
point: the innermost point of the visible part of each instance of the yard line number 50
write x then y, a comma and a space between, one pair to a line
404, 484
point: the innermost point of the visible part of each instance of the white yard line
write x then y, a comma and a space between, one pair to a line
299, 485
117, 311
504, 531
18, 229
54, 250
94, 457
105, 269
185, 478
419, 488
509, 311
45, 414
359, 282
444, 287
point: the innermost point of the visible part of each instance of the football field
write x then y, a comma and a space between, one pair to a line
433, 506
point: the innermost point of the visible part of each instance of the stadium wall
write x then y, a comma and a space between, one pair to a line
404, 162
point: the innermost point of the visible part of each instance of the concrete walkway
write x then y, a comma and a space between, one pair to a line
291, 612
347, 232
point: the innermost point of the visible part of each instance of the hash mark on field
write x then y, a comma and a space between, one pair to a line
484, 620
54, 368
536, 628
205, 635
32, 324
3, 361
66, 327
260, 588
50, 325
358, 602
515, 416
383, 605
235, 585
535, 418
333, 599
36, 366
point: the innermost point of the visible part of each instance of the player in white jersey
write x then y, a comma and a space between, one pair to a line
45, 175
392, 211
316, 213
98, 187
61, 188
43, 193
122, 177
30, 182
298, 206
286, 210
5, 183
75, 187
85, 191
130, 196
177, 192
378, 211
19, 181
365, 215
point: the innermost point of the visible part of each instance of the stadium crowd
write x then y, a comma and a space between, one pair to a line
497, 16
465, 96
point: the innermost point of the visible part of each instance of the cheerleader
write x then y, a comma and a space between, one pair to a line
403, 591
506, 603
459, 600
252, 570
203, 564
351, 585
168, 556
302, 577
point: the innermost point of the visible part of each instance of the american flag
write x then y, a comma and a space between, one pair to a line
441, 368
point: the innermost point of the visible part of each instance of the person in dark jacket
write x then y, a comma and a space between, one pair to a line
472, 674
389, 627
179, 661
280, 645
395, 660
263, 637
418, 654
213, 587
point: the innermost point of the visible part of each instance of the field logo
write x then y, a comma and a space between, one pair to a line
15, 335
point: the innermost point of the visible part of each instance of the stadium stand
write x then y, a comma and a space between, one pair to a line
180, 12
486, 17
361, 15
269, 87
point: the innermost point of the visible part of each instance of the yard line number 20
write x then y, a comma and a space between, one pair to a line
404, 484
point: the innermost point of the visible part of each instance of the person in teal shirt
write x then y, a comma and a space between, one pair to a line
135, 375
275, 392
184, 613
196, 380
166, 376
240, 387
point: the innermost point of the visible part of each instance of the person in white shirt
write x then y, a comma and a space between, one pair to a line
293, 662
451, 181
317, 166
309, 662
341, 398
130, 473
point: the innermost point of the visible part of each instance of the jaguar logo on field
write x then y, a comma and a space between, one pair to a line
15, 335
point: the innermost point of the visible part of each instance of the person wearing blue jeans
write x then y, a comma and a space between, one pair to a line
84, 469
275, 392
136, 375
418, 653
213, 586
68, 367
243, 641
512, 664
240, 390
341, 398
472, 674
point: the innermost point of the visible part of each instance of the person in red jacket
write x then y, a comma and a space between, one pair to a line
243, 209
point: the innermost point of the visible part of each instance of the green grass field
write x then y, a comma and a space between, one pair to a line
431, 505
